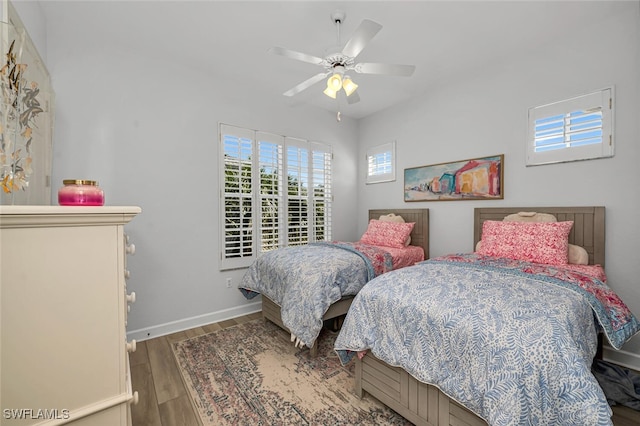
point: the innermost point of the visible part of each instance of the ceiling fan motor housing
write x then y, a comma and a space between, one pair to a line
338, 59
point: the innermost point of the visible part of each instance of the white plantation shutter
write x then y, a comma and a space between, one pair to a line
322, 192
238, 204
276, 192
270, 159
580, 128
298, 166
309, 191
381, 163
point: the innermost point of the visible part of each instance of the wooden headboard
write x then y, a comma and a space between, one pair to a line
588, 225
420, 232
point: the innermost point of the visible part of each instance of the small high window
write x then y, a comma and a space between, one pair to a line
381, 163
580, 128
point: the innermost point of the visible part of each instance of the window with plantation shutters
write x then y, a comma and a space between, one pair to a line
276, 192
381, 163
580, 128
238, 204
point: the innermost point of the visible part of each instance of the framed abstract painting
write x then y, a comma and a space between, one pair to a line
473, 179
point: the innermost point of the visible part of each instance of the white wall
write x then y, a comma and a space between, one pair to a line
484, 113
152, 142
146, 129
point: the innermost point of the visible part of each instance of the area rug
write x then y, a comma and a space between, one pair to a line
251, 374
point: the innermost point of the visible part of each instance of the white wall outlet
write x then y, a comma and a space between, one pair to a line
228, 282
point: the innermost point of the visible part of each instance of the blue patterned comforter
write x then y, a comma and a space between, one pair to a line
304, 281
510, 341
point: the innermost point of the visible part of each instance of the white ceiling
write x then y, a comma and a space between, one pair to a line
230, 39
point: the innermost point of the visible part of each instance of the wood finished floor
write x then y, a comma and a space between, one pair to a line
164, 400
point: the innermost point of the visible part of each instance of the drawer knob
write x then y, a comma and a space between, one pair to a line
131, 346
131, 249
131, 298
127, 274
135, 398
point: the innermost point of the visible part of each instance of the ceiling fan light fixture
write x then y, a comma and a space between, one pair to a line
348, 85
330, 92
335, 82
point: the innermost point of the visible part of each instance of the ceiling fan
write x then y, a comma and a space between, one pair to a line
337, 65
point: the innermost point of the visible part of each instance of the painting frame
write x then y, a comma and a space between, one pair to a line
26, 117
480, 178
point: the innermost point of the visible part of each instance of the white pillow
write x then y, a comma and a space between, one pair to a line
530, 217
578, 255
391, 217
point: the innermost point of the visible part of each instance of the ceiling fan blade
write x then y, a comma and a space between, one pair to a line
353, 98
386, 69
364, 33
276, 50
306, 84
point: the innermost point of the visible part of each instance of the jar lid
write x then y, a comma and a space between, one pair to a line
79, 182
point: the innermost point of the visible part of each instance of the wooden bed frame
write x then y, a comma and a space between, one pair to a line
426, 405
419, 237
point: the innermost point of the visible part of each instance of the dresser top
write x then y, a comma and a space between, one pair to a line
27, 216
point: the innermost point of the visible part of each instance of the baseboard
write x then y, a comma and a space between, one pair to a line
187, 323
622, 358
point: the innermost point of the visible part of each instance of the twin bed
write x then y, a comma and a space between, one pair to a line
303, 287
471, 339
477, 338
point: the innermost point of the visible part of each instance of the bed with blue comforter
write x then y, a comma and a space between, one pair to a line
304, 281
479, 338
304, 286
512, 341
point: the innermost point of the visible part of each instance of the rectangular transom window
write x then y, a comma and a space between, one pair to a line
381, 163
276, 192
580, 128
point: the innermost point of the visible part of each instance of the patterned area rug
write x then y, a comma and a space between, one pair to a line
251, 374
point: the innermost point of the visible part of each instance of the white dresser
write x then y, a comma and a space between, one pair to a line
63, 306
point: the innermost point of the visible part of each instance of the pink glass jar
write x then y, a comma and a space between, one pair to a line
77, 192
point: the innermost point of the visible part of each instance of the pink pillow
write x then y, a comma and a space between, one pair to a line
387, 234
539, 242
